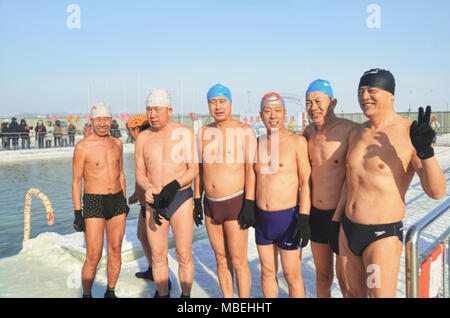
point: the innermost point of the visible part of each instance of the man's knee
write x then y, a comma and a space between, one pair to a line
268, 272
324, 277
93, 258
184, 256
115, 251
238, 263
222, 260
292, 274
159, 257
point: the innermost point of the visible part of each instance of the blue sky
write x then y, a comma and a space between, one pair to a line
125, 49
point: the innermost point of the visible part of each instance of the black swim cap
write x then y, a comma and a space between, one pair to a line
378, 78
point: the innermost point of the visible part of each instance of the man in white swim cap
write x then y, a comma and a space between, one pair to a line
98, 160
167, 182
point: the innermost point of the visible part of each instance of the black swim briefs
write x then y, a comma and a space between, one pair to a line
360, 236
104, 205
319, 223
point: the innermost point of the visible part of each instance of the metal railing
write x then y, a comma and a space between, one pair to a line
414, 258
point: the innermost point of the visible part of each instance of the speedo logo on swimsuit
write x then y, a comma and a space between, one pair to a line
378, 233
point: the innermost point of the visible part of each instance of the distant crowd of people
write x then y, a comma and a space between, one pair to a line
58, 133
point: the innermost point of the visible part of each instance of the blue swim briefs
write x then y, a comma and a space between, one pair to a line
276, 228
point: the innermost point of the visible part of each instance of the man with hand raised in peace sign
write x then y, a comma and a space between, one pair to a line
383, 155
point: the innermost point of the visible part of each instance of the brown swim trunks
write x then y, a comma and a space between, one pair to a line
224, 209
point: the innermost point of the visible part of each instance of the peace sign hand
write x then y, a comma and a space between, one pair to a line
422, 135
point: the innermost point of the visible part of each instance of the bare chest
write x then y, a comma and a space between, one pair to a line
380, 154
223, 145
103, 156
162, 148
275, 157
327, 150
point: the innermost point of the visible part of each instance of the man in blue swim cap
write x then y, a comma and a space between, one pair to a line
228, 179
327, 144
219, 102
383, 156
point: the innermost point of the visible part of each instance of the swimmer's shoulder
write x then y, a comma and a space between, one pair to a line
297, 139
347, 123
202, 130
117, 141
404, 121
179, 125
81, 148
356, 129
205, 127
309, 130
82, 144
248, 130
346, 126
243, 125
143, 136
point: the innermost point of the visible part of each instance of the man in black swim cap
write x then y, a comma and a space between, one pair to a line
383, 155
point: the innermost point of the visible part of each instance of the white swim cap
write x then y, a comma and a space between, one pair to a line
159, 97
100, 110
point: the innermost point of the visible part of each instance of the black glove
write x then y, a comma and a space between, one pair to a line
78, 223
422, 134
155, 207
333, 236
168, 193
198, 212
247, 215
302, 232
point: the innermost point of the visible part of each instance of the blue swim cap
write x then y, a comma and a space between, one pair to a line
320, 85
219, 90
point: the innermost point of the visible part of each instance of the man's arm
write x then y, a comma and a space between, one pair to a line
431, 176
198, 186
191, 159
423, 160
78, 169
140, 169
304, 176
340, 208
122, 174
198, 189
250, 155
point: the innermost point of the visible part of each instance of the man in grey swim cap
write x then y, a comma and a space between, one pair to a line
282, 199
383, 156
